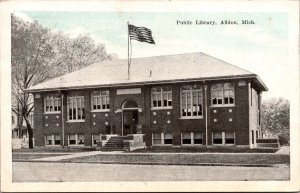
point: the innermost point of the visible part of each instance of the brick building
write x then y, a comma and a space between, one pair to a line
174, 100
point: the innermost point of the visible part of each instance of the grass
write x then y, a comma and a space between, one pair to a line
186, 159
203, 150
55, 149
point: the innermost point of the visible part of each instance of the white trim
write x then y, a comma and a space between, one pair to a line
53, 112
75, 121
192, 134
227, 105
160, 108
100, 110
195, 117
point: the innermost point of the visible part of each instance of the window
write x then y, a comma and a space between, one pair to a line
76, 139
168, 138
217, 138
72, 139
223, 138
52, 139
157, 139
49, 140
76, 108
222, 94
160, 139
191, 138
56, 139
52, 103
162, 97
100, 100
95, 139
191, 101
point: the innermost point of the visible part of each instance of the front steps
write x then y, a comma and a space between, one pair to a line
115, 143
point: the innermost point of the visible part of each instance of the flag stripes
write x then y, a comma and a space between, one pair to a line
141, 34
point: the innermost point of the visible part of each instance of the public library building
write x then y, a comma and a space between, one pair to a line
173, 100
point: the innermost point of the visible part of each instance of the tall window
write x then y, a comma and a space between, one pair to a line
161, 97
222, 94
52, 103
191, 101
100, 100
76, 108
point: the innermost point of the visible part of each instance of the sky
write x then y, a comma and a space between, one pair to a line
261, 48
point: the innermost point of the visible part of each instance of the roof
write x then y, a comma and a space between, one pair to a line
156, 69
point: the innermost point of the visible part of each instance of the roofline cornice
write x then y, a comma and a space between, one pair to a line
151, 82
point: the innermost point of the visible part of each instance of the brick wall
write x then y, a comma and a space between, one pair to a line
153, 121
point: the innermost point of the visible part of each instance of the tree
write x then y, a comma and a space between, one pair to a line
74, 54
275, 118
38, 54
32, 56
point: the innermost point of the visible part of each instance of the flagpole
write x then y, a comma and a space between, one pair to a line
128, 53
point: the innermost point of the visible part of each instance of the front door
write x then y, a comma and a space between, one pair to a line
130, 121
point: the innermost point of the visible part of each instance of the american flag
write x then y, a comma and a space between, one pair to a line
141, 34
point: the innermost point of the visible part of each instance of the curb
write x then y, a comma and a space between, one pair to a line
160, 163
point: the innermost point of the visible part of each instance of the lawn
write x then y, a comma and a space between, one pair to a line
186, 159
203, 150
55, 149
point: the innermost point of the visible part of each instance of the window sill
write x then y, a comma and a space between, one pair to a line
183, 118
231, 105
75, 121
52, 145
189, 145
54, 112
100, 111
161, 108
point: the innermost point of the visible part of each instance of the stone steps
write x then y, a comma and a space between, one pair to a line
114, 144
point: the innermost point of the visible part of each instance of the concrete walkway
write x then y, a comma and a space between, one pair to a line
72, 155
284, 150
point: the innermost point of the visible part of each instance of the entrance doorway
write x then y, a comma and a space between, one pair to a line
130, 121
130, 117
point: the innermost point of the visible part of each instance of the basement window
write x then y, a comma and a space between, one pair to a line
76, 139
95, 139
223, 138
52, 139
160, 139
191, 138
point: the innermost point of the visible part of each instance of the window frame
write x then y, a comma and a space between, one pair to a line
52, 139
192, 134
190, 92
54, 100
223, 133
76, 109
95, 134
100, 98
223, 94
76, 139
162, 139
162, 93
